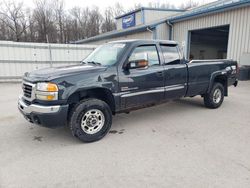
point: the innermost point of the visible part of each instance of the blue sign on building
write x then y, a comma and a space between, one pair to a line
128, 21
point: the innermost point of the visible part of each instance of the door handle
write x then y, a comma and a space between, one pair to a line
159, 74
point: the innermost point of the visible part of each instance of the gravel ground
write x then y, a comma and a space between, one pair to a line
177, 144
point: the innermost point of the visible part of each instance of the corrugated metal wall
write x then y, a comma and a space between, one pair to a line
239, 32
153, 15
119, 23
17, 58
138, 18
162, 31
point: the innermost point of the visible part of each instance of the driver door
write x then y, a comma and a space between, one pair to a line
142, 85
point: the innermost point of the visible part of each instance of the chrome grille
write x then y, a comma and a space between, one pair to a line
28, 91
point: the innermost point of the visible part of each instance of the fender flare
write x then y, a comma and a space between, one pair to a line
214, 76
107, 93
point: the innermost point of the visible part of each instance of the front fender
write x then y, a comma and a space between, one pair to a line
72, 84
76, 89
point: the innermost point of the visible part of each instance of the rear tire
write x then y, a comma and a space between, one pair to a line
90, 120
215, 97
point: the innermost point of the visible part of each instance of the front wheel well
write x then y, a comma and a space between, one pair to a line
97, 93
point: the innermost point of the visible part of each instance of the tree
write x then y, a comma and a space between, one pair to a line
30, 35
60, 19
110, 13
13, 17
109, 22
44, 19
118, 9
189, 4
78, 18
94, 22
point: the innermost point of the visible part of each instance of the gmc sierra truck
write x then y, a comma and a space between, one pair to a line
120, 77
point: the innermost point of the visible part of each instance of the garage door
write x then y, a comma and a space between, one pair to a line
209, 43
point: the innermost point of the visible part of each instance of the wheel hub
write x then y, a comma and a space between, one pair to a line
217, 96
92, 121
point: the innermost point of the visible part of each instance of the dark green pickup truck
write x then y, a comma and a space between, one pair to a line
120, 77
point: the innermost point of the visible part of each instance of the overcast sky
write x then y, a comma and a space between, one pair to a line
102, 4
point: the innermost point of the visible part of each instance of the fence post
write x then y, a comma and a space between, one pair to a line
49, 48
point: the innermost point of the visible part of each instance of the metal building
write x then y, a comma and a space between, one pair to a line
219, 30
138, 24
213, 31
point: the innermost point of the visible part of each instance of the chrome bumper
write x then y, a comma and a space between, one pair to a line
27, 109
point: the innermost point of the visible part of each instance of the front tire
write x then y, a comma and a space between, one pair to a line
215, 97
90, 120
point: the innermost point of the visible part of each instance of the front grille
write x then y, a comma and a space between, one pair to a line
27, 90
26, 102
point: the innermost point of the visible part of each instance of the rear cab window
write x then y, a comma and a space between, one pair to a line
171, 54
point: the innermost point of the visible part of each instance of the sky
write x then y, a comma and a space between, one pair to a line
102, 4
125, 3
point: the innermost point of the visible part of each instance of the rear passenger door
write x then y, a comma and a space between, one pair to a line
175, 72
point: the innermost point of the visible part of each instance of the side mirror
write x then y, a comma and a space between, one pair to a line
140, 60
138, 64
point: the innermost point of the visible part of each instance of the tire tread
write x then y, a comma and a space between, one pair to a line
208, 101
75, 111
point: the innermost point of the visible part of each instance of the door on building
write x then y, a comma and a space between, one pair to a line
209, 43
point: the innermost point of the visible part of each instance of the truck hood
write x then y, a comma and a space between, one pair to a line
48, 74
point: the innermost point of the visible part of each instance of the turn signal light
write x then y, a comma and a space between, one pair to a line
52, 87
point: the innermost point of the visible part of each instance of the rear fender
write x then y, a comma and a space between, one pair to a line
221, 77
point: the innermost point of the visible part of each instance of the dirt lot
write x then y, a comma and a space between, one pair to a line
177, 144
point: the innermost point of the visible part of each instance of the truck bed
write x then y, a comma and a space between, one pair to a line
201, 73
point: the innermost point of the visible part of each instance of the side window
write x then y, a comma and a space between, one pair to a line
170, 54
149, 51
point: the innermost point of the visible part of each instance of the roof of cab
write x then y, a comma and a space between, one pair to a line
145, 41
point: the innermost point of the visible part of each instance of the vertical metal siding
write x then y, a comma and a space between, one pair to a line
153, 15
162, 31
119, 24
239, 31
17, 58
138, 18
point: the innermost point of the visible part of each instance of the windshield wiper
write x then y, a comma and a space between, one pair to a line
94, 62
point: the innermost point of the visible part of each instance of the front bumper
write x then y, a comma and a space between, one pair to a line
46, 116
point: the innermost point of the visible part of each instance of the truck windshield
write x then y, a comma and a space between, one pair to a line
105, 55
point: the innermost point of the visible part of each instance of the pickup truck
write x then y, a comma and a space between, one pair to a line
117, 77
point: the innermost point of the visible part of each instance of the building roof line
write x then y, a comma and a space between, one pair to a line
204, 10
120, 32
149, 8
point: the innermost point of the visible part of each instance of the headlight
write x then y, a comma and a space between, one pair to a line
46, 91
42, 86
